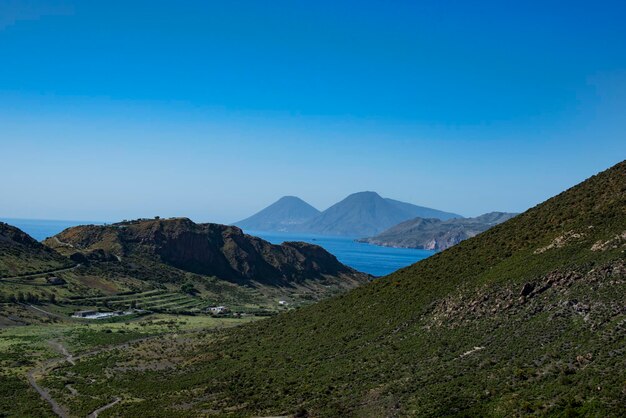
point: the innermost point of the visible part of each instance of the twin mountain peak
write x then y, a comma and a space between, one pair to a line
383, 221
359, 214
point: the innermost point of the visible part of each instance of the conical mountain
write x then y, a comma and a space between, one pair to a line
285, 214
367, 213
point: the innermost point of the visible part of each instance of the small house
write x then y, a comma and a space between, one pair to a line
218, 309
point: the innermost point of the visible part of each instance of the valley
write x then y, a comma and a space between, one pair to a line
99, 289
312, 209
527, 316
29, 353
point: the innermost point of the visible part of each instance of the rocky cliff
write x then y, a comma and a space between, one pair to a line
435, 234
210, 249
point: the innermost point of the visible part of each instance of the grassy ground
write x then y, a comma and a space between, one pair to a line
22, 348
557, 352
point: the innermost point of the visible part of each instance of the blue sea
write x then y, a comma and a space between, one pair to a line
41, 229
367, 258
372, 259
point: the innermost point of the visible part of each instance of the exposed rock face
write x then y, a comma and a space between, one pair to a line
94, 255
435, 234
553, 292
210, 249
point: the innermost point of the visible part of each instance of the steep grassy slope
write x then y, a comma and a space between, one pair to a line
20, 254
528, 317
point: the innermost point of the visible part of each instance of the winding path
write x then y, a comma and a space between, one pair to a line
51, 314
43, 273
95, 413
56, 408
41, 369
24, 279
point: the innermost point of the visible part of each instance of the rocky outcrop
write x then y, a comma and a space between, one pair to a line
210, 249
435, 234
556, 293
97, 255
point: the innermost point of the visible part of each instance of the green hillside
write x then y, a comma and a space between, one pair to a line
526, 318
193, 266
21, 255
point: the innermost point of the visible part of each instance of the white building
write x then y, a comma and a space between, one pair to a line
218, 309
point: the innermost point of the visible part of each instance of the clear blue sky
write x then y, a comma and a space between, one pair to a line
212, 110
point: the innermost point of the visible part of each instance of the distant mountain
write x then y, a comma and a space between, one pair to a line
20, 254
210, 249
435, 234
367, 213
283, 215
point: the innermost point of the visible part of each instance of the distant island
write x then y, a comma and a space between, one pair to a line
435, 234
281, 216
359, 214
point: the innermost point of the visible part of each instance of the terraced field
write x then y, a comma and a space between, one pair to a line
154, 300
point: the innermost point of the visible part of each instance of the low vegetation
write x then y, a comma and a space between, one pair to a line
21, 255
23, 349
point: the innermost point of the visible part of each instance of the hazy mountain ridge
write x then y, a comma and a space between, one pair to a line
360, 214
435, 234
526, 318
366, 213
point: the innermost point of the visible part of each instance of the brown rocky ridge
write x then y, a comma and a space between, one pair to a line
209, 249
